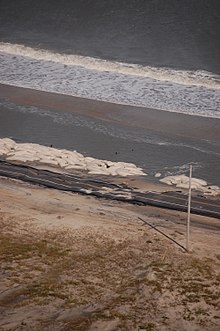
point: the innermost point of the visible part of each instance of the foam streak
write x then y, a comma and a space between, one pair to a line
108, 81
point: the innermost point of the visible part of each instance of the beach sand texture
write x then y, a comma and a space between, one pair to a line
71, 262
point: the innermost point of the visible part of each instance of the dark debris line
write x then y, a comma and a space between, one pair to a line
106, 190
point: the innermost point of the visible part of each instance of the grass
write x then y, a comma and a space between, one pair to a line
15, 249
147, 327
83, 270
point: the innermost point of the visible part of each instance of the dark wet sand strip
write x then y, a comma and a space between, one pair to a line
167, 123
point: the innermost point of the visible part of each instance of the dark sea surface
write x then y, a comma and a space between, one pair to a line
149, 53
154, 152
158, 54
167, 33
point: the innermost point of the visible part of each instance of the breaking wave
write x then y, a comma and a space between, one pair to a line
195, 78
190, 92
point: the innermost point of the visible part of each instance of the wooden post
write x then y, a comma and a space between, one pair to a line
189, 207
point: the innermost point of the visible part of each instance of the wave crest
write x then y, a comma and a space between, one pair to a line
195, 78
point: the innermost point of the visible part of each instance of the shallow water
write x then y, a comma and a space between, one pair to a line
153, 152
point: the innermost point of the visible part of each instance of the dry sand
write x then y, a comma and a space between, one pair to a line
71, 262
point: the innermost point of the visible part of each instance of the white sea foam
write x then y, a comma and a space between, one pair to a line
64, 159
195, 78
182, 181
194, 93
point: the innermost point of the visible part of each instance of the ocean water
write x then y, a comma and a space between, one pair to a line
150, 150
189, 92
155, 54
157, 33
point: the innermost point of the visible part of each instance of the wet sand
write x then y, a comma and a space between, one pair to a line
163, 122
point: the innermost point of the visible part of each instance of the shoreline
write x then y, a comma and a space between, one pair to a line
157, 121
156, 141
59, 250
71, 161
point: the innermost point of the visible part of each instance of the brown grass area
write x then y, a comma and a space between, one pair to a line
109, 274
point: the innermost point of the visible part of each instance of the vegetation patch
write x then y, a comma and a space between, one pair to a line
130, 281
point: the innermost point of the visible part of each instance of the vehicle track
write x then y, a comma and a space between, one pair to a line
104, 189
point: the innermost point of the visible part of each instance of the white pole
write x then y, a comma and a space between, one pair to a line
189, 207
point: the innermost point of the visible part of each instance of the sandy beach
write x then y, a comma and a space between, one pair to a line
75, 262
71, 262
